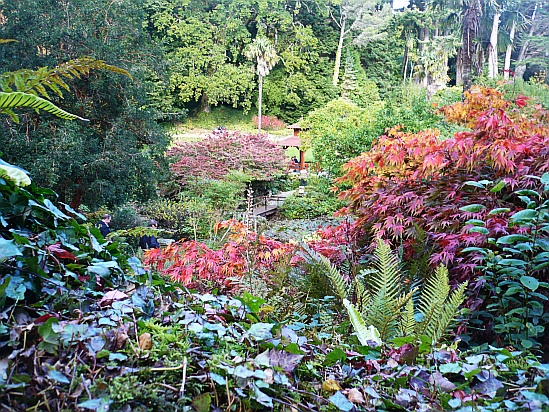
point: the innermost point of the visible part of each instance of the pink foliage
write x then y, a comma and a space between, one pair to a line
269, 122
217, 155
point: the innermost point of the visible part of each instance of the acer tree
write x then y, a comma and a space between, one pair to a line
240, 253
216, 156
415, 180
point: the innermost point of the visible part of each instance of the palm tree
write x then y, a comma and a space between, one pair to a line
262, 50
470, 28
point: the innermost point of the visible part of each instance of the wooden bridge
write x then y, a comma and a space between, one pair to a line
268, 205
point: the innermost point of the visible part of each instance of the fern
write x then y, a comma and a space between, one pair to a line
408, 323
387, 303
366, 335
18, 99
340, 286
432, 299
38, 81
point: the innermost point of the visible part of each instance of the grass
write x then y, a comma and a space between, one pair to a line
195, 128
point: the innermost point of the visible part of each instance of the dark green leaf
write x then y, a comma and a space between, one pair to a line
530, 282
472, 208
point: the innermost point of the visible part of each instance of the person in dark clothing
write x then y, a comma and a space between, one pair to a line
149, 242
103, 225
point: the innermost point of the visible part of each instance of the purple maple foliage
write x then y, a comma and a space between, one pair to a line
223, 152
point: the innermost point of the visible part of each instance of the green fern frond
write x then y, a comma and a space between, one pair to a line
366, 335
450, 310
340, 286
387, 267
29, 81
437, 312
408, 323
363, 296
18, 99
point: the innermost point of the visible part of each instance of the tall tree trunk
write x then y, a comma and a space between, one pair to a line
339, 51
204, 103
507, 64
521, 68
259, 103
459, 67
493, 48
470, 28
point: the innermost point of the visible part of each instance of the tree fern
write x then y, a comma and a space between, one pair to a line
18, 99
38, 81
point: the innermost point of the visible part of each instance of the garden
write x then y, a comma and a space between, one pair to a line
407, 270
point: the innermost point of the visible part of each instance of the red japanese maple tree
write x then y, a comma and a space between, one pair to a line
242, 253
223, 152
408, 180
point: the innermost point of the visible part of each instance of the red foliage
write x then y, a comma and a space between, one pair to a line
217, 155
269, 122
243, 253
415, 179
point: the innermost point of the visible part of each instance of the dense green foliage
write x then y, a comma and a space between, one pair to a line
111, 159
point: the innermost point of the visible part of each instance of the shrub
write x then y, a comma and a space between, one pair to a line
126, 217
415, 180
269, 123
217, 156
241, 253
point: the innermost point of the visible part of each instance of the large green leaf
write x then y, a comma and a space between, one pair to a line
19, 99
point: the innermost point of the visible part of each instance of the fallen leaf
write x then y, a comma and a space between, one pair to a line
355, 396
269, 376
145, 341
111, 297
444, 384
331, 385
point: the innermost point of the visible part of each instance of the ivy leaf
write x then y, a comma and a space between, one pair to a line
50, 339
262, 398
285, 360
341, 402
8, 248
98, 404
261, 331
253, 302
58, 376
334, 356
490, 388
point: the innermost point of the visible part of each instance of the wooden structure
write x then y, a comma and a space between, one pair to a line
294, 141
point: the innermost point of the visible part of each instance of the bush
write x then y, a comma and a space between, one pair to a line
126, 217
318, 201
269, 122
170, 214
